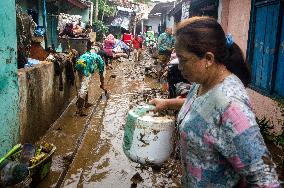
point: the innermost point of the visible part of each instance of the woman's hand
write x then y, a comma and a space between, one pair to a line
160, 104
163, 104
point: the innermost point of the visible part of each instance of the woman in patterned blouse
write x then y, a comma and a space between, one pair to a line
221, 145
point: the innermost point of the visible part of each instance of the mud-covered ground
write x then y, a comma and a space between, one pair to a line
89, 149
96, 157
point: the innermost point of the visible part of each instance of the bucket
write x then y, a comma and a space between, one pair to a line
40, 170
148, 139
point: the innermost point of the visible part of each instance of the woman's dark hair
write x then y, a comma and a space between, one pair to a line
199, 35
89, 45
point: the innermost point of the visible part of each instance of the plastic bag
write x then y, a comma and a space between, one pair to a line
117, 49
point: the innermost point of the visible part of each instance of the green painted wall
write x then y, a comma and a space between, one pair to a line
9, 97
52, 21
33, 4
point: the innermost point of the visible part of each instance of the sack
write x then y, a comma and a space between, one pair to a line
117, 49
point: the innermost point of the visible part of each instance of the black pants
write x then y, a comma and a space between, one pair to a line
174, 77
107, 59
127, 51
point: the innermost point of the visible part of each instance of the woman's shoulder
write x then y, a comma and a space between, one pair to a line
193, 90
230, 91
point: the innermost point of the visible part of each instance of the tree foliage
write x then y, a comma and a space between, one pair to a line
100, 28
104, 8
108, 9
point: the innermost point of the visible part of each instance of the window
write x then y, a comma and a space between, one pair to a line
266, 47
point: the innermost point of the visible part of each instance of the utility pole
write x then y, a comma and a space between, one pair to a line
134, 27
44, 21
142, 26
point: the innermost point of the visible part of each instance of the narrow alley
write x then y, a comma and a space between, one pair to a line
91, 154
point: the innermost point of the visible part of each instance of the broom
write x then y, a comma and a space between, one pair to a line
11, 152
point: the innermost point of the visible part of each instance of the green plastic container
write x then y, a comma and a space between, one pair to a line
132, 117
40, 170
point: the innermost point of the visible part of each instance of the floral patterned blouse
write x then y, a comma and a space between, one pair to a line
221, 145
89, 62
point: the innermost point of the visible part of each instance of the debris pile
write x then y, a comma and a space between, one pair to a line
144, 96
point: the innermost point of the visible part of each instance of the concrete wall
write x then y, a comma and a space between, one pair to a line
41, 102
37, 5
235, 20
223, 14
235, 17
154, 22
9, 109
266, 107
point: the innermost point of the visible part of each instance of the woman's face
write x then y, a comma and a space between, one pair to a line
192, 67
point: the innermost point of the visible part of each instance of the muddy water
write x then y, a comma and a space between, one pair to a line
100, 161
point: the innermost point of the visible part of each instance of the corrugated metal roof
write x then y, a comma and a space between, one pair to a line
176, 9
78, 3
163, 8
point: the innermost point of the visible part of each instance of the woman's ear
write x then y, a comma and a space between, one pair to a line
209, 58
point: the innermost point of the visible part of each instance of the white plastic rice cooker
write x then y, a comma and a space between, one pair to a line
148, 139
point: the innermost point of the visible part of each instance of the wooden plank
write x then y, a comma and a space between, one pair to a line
258, 45
269, 47
279, 81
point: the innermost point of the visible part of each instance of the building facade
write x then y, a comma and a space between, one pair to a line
45, 13
258, 28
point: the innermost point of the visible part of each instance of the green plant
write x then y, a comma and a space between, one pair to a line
265, 126
279, 139
100, 28
105, 9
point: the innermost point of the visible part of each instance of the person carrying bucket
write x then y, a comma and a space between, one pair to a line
86, 66
219, 138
